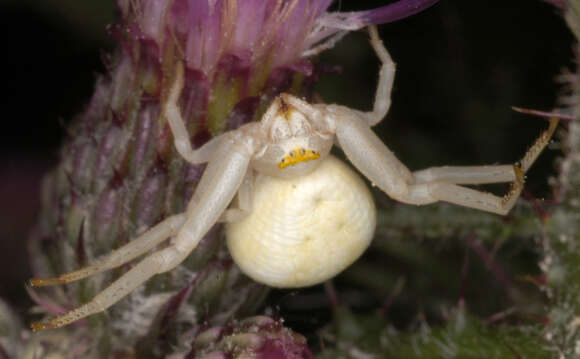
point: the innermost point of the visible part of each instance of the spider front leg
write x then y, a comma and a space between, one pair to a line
386, 78
172, 113
382, 101
366, 151
218, 185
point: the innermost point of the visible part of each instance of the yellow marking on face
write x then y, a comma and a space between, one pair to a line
298, 155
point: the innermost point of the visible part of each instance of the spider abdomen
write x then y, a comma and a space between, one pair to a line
304, 230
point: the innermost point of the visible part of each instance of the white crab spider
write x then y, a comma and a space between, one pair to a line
289, 148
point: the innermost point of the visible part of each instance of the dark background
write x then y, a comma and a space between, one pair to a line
461, 65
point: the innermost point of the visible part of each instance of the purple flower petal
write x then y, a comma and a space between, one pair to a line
396, 11
274, 32
331, 27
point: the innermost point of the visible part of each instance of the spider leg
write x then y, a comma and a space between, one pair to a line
466, 174
245, 201
172, 113
467, 197
219, 184
382, 95
140, 245
442, 181
487, 174
144, 270
366, 151
386, 78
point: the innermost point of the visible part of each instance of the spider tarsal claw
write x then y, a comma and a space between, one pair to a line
38, 326
43, 282
519, 174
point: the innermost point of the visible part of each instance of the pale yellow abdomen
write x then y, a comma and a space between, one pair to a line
305, 230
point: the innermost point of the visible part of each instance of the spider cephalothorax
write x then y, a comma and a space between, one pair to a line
302, 216
288, 141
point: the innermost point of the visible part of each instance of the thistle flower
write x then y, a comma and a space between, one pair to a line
254, 337
119, 172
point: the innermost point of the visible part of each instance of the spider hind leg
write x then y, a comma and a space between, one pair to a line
443, 182
125, 254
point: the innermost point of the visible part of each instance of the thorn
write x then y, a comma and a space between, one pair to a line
331, 293
541, 319
539, 280
500, 316
395, 292
514, 352
544, 114
463, 276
